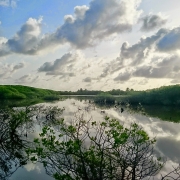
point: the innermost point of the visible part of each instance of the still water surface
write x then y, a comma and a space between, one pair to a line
167, 133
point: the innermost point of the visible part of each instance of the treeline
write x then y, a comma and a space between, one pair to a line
166, 95
25, 92
95, 92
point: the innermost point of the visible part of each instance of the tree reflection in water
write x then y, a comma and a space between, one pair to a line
15, 125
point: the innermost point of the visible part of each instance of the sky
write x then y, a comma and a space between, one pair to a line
90, 44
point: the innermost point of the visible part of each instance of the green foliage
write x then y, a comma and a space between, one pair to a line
79, 150
96, 150
23, 92
104, 98
166, 95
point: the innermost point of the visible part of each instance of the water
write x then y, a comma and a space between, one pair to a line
167, 133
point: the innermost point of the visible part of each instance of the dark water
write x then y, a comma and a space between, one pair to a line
160, 122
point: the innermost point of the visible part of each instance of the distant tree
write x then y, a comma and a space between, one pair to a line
90, 150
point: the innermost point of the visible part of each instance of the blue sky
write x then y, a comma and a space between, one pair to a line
53, 13
98, 44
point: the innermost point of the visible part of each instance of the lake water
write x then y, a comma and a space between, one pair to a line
167, 133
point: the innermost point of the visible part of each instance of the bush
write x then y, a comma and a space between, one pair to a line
104, 98
90, 150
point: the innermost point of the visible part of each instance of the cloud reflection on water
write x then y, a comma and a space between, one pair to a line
166, 133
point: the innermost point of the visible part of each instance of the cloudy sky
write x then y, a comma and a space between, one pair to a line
92, 44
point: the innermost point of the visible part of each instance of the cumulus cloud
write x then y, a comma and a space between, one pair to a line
152, 22
159, 67
3, 40
166, 67
140, 50
132, 57
85, 28
156, 56
25, 40
62, 66
80, 11
8, 69
89, 24
165, 41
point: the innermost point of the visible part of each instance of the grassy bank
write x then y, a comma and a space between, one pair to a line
18, 92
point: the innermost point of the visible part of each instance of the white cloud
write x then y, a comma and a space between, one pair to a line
62, 67
3, 40
139, 51
89, 25
96, 22
152, 57
25, 39
80, 11
7, 70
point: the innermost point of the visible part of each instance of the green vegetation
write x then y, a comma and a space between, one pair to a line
91, 150
81, 150
165, 113
17, 92
166, 95
104, 98
81, 91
